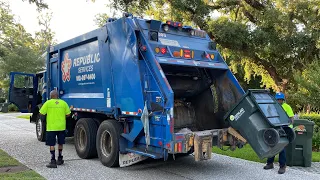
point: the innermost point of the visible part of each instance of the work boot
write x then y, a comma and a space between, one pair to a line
282, 170
52, 164
268, 166
60, 160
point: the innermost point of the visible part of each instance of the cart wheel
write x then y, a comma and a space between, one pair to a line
271, 137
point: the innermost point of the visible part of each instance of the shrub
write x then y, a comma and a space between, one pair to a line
2, 100
315, 117
316, 138
13, 107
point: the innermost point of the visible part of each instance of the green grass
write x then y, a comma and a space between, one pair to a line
315, 156
24, 116
28, 174
247, 153
6, 160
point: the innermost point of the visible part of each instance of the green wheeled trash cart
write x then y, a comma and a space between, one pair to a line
261, 120
299, 152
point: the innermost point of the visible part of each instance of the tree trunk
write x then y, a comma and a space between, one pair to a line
284, 85
308, 108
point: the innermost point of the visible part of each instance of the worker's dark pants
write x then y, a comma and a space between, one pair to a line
51, 137
282, 158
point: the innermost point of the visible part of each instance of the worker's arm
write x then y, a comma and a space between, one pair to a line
290, 114
43, 110
67, 110
292, 119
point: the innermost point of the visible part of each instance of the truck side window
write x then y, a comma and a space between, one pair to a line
23, 81
40, 84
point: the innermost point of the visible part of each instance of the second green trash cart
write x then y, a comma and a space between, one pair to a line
299, 152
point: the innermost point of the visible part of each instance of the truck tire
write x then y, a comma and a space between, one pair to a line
41, 128
85, 134
108, 143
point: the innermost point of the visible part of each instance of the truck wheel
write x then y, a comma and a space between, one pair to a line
108, 143
41, 128
85, 134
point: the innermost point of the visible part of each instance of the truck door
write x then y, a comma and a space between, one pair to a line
53, 75
22, 90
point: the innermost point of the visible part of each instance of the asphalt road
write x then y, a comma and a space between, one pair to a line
18, 138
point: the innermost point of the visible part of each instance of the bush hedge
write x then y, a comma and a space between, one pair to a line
315, 117
13, 108
2, 100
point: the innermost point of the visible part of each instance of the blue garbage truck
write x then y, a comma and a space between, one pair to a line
138, 89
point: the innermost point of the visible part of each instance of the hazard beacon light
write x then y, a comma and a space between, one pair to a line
189, 29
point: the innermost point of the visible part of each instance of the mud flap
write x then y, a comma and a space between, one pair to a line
202, 145
130, 159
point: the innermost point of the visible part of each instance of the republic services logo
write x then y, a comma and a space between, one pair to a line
65, 68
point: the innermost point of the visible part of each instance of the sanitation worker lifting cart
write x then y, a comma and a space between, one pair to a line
142, 88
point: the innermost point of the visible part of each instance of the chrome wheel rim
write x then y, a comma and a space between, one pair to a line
39, 127
82, 138
106, 143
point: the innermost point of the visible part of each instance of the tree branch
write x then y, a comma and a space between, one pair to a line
255, 4
223, 5
249, 16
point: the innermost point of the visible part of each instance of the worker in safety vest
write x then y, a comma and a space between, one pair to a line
56, 110
282, 155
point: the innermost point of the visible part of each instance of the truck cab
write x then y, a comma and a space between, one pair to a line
26, 90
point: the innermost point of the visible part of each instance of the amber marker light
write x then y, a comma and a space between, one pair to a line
157, 50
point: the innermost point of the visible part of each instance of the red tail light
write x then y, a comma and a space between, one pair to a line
180, 147
187, 53
163, 50
143, 48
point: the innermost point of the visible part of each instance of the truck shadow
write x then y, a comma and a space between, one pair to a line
69, 140
184, 162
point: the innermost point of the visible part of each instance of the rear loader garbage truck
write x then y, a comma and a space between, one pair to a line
145, 89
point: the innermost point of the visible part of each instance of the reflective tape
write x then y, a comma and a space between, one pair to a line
83, 110
129, 113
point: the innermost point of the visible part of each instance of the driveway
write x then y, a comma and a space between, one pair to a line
18, 139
